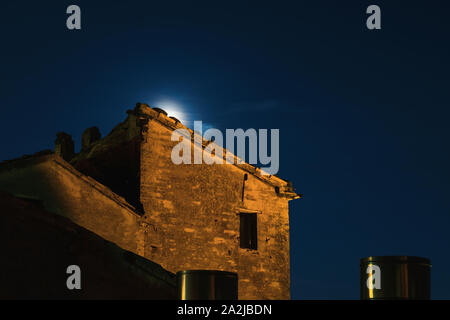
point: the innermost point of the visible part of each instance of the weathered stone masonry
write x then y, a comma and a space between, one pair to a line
181, 216
195, 210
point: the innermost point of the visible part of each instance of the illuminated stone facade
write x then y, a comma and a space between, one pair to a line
126, 189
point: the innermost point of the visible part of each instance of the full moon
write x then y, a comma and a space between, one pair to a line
173, 109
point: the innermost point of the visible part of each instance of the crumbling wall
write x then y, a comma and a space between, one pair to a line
114, 160
89, 137
64, 146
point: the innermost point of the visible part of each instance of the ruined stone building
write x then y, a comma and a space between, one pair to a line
126, 189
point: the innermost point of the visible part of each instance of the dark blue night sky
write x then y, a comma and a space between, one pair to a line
363, 115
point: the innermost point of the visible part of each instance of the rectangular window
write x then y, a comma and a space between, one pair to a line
248, 231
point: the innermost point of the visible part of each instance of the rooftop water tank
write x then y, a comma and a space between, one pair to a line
207, 285
394, 277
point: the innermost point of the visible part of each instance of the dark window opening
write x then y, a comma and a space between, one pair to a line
248, 231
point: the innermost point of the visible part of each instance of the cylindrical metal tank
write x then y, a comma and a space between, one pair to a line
394, 277
207, 285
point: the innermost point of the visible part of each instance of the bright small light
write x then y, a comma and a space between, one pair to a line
173, 110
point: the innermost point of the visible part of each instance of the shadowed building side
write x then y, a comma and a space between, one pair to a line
38, 246
114, 161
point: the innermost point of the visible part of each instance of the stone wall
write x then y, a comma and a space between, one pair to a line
192, 218
265, 273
